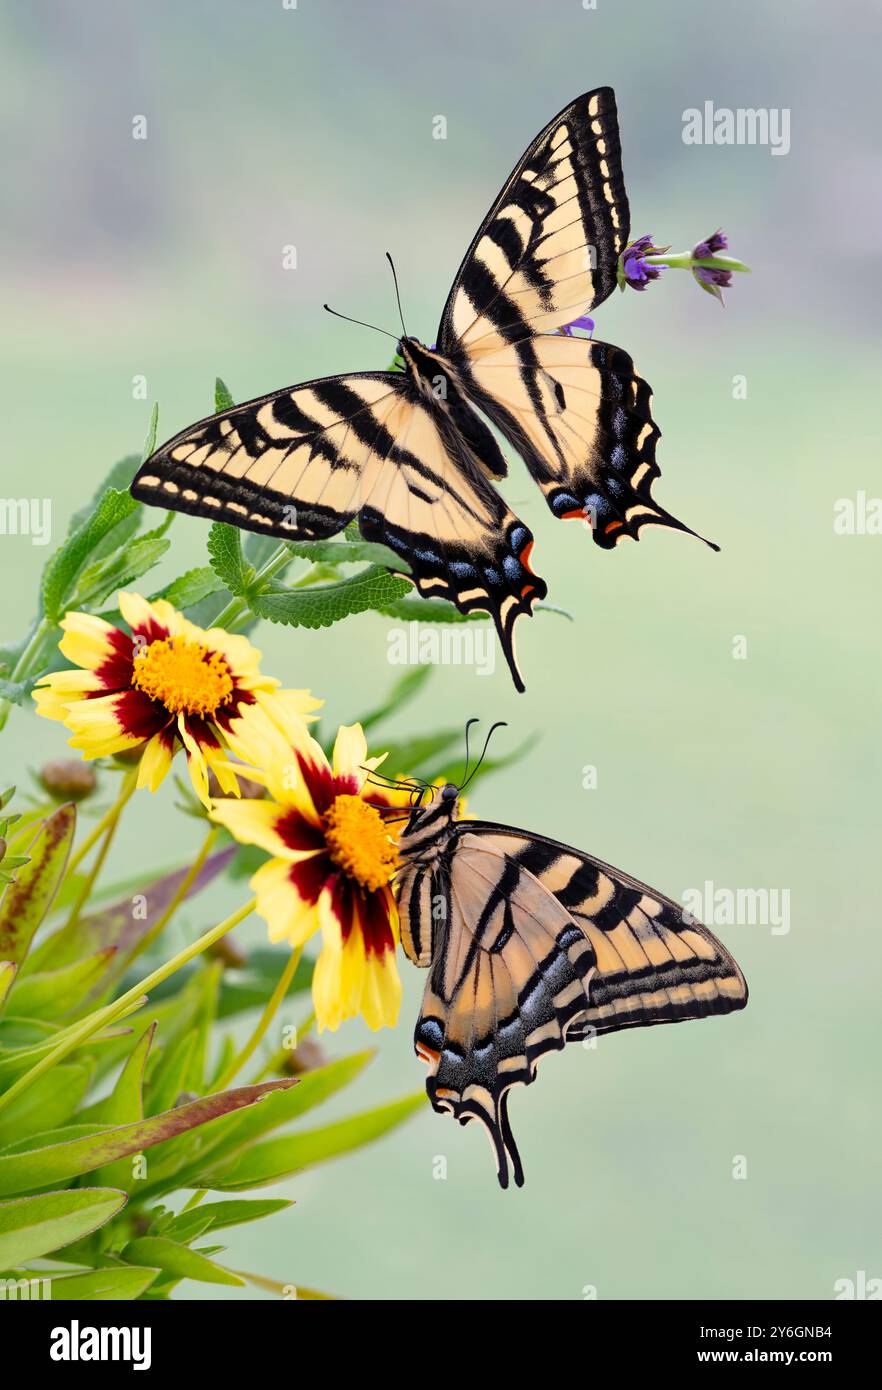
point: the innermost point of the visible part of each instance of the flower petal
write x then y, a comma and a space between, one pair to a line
350, 752
56, 692
90, 642
156, 759
288, 916
259, 823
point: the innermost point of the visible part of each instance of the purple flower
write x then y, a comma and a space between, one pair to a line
585, 323
717, 241
633, 269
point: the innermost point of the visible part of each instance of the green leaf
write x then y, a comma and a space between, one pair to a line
410, 755
125, 1102
116, 571
348, 553
227, 560
33, 1226
222, 398
116, 1282
251, 985
239, 1131
280, 1158
26, 901
116, 925
179, 1261
7, 977
430, 610
167, 1081
63, 569
55, 1162
58, 992
223, 1214
322, 605
150, 441
404, 690
119, 478
190, 588
48, 1104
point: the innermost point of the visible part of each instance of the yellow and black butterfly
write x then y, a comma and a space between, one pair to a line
409, 453
530, 945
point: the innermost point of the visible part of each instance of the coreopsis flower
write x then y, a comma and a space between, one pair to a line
633, 267
333, 854
164, 685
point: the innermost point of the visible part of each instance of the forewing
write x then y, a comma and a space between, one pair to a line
548, 249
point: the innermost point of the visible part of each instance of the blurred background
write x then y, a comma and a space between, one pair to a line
269, 127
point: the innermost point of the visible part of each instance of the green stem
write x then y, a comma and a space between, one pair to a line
180, 894
22, 667
684, 260
82, 1031
127, 789
111, 814
237, 608
266, 1018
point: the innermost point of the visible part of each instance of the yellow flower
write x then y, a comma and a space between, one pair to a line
165, 685
333, 857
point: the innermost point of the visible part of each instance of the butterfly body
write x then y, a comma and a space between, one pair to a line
531, 944
410, 454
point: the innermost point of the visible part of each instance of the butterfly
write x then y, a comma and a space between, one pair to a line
529, 945
410, 454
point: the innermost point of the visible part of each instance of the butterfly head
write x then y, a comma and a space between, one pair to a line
434, 813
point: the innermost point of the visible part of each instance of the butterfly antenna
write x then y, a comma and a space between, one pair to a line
397, 294
501, 724
465, 771
361, 323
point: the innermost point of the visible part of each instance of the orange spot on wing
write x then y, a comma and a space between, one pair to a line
426, 1054
613, 526
577, 515
528, 589
525, 554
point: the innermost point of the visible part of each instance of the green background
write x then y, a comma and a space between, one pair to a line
163, 257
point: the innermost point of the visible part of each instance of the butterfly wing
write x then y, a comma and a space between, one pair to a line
548, 249
580, 417
303, 462
538, 945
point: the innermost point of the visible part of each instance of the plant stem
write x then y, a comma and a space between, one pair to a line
80, 1032
180, 894
109, 829
265, 1020
22, 667
111, 814
684, 260
237, 608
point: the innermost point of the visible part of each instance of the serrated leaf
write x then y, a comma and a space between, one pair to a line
190, 588
227, 559
222, 398
280, 1158
119, 478
33, 1226
118, 570
179, 1261
348, 553
325, 604
430, 610
26, 901
63, 569
50, 1163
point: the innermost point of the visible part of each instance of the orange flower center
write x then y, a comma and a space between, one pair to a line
357, 840
184, 675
